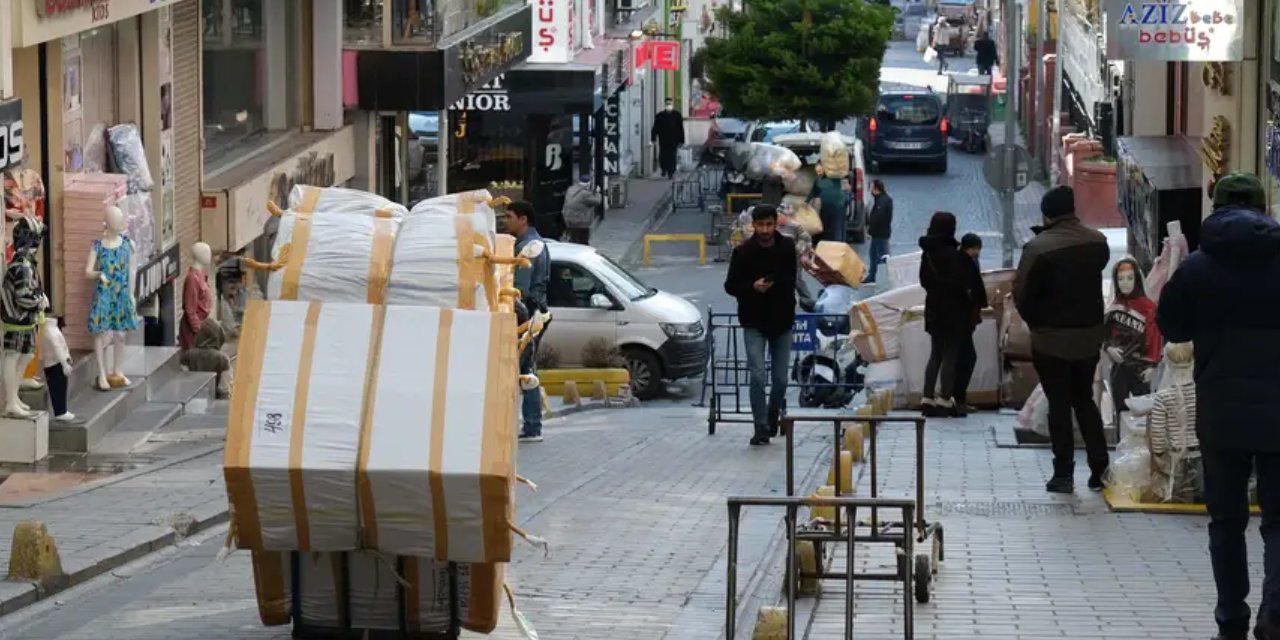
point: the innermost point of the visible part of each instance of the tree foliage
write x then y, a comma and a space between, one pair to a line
798, 59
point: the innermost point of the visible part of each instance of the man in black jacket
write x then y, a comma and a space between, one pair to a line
762, 276
668, 133
1058, 291
879, 227
986, 57
1226, 299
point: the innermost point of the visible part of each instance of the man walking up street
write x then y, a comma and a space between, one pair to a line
580, 204
762, 276
668, 133
1226, 299
532, 283
879, 228
986, 56
1058, 291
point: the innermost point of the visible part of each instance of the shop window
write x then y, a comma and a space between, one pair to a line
249, 53
362, 23
425, 22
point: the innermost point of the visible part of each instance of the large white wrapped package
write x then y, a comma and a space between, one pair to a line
904, 269
984, 388
309, 199
431, 266
834, 154
414, 405
875, 322
771, 160
333, 258
888, 376
370, 584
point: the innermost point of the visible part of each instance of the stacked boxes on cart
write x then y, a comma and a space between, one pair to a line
370, 460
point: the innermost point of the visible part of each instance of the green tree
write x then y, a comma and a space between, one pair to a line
799, 59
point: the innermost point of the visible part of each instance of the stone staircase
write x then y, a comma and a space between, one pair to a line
115, 421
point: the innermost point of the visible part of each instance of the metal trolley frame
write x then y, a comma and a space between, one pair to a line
915, 570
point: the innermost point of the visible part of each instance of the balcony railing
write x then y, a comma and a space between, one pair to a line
415, 23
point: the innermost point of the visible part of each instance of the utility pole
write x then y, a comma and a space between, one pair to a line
1009, 16
1037, 120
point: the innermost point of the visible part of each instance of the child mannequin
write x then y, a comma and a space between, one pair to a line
56, 360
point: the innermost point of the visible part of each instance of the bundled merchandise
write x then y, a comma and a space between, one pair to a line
771, 160
801, 182
877, 322
370, 459
888, 375
139, 223
984, 388
803, 214
841, 259
904, 269
833, 154
1020, 379
124, 143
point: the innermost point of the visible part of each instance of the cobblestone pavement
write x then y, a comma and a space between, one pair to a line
1025, 564
633, 502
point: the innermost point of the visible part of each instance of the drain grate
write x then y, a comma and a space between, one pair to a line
1005, 509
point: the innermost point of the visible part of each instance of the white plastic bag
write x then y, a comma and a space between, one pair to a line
1129, 474
129, 157
770, 160
930, 54
836, 299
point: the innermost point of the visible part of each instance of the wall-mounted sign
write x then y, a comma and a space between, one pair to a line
659, 55
1162, 30
157, 273
492, 96
100, 9
480, 59
36, 21
612, 134
552, 31
12, 147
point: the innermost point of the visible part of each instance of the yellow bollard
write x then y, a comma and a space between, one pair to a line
854, 438
571, 396
846, 474
771, 624
599, 391
806, 559
546, 403
824, 513
34, 555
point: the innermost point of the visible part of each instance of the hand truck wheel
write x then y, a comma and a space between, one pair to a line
923, 578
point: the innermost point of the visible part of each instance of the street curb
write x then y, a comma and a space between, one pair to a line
144, 541
661, 210
593, 406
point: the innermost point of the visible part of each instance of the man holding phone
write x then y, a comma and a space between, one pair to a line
762, 276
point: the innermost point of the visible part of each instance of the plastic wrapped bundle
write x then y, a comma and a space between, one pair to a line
878, 320
140, 223
308, 199
124, 142
410, 408
374, 586
801, 182
769, 160
1129, 474
834, 154
332, 258
432, 267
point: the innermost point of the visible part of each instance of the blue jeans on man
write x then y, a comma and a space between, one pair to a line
530, 399
765, 413
879, 250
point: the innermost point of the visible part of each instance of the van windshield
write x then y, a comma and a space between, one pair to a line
916, 110
626, 284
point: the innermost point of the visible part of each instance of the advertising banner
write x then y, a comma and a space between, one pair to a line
1163, 30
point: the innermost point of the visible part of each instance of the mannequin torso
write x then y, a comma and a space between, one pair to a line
1171, 433
112, 265
197, 300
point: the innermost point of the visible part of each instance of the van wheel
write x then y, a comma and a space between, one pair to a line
941, 167
645, 371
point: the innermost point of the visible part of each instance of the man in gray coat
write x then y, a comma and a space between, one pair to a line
580, 204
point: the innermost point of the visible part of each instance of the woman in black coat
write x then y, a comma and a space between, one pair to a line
954, 298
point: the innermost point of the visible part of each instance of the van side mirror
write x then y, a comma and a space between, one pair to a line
601, 301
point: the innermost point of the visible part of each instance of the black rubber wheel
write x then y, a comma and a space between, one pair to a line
941, 167
923, 579
646, 373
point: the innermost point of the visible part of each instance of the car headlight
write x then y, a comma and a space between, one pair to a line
677, 330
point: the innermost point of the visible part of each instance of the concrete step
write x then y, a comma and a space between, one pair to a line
137, 427
194, 390
149, 369
193, 427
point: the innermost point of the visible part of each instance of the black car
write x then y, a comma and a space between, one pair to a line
909, 127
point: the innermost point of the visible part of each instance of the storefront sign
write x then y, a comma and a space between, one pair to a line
1162, 30
12, 147
659, 55
157, 273
492, 96
37, 21
481, 60
552, 31
613, 134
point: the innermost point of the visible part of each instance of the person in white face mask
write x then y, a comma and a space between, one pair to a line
668, 133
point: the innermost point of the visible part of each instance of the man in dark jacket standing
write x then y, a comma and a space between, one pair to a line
1226, 299
668, 132
1058, 291
879, 227
986, 57
762, 276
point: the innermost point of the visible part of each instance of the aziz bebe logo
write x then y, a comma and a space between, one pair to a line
546, 24
1166, 23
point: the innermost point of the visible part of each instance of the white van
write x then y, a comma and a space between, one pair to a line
661, 335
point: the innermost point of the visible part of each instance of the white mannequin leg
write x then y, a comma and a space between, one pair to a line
100, 343
118, 362
12, 380
24, 360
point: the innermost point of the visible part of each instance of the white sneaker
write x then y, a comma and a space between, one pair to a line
530, 438
66, 417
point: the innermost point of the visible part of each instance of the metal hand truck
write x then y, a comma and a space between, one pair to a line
304, 630
915, 569
792, 504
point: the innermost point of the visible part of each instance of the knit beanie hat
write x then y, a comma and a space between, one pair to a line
1239, 188
1058, 202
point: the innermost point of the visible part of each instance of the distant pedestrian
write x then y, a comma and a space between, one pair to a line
668, 133
762, 276
832, 203
879, 227
1226, 299
951, 304
581, 202
532, 282
1058, 292
987, 57
941, 39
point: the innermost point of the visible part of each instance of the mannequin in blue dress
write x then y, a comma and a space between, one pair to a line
112, 265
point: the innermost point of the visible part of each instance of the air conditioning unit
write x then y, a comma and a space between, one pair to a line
631, 5
617, 192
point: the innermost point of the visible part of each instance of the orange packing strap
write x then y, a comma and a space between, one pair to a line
364, 486
297, 256
301, 394
380, 259
468, 273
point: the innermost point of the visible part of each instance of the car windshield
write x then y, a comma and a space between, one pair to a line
617, 277
767, 132
908, 110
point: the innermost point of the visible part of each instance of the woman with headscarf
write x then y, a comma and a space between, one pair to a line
954, 298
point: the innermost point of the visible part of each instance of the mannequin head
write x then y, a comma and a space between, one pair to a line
28, 233
1180, 354
1127, 280
114, 220
201, 255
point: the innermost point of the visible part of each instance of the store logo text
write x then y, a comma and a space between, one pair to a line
1175, 23
56, 8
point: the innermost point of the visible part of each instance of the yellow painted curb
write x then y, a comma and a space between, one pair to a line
614, 379
1121, 503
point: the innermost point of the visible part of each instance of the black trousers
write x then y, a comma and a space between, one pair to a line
1226, 489
667, 159
944, 353
966, 361
578, 236
56, 381
1068, 386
